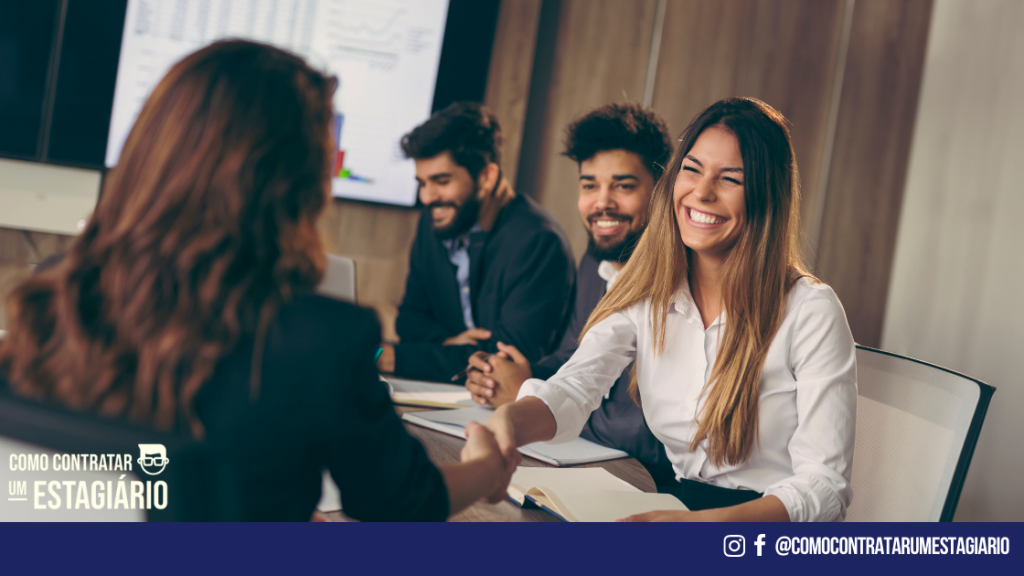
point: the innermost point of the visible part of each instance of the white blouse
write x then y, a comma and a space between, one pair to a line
807, 407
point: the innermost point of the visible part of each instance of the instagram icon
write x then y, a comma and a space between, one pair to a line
734, 545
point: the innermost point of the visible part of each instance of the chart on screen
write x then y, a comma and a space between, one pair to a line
385, 54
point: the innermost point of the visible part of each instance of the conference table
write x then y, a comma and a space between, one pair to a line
444, 449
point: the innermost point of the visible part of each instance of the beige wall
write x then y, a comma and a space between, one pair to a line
955, 296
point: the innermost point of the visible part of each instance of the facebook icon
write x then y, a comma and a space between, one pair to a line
759, 543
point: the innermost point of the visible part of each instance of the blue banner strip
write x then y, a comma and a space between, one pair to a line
526, 549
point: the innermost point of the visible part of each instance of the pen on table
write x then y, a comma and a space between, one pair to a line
463, 373
468, 369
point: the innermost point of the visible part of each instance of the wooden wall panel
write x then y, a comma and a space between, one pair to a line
783, 52
378, 238
600, 57
19, 253
17, 246
10, 276
869, 164
508, 82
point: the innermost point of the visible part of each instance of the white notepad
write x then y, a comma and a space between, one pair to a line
454, 422
428, 394
584, 494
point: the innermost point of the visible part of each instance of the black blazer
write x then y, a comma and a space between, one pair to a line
320, 405
520, 275
618, 422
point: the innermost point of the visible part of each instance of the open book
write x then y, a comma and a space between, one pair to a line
428, 394
453, 422
584, 494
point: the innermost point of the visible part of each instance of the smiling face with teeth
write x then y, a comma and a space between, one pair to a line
450, 194
615, 193
708, 196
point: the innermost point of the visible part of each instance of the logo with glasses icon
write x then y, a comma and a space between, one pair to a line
153, 458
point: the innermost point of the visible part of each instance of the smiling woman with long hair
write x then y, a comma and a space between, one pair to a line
744, 364
186, 303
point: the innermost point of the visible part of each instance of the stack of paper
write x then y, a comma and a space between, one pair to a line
428, 394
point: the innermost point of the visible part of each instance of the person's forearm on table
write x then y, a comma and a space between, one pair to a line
531, 419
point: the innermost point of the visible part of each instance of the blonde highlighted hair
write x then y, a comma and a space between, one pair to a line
759, 271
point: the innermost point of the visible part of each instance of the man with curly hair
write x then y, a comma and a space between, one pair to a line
620, 150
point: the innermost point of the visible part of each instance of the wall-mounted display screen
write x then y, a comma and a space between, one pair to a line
385, 53
397, 60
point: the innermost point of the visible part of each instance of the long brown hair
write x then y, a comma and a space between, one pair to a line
204, 229
758, 272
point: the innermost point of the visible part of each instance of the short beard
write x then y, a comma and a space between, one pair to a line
465, 217
619, 252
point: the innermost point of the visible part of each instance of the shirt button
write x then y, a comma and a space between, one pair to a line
466, 289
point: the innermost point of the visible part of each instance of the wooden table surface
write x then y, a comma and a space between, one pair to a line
444, 449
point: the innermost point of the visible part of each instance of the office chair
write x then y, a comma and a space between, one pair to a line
917, 426
339, 278
202, 483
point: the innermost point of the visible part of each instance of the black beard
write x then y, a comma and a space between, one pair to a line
618, 252
465, 217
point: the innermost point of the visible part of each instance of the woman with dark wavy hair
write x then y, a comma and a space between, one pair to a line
186, 304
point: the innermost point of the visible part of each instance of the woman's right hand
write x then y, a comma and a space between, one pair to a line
500, 424
481, 446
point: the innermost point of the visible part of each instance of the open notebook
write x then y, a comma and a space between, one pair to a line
584, 494
454, 422
428, 394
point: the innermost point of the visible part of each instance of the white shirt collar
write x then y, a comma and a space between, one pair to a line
608, 272
683, 302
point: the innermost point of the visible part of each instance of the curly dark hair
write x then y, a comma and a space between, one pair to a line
627, 126
469, 131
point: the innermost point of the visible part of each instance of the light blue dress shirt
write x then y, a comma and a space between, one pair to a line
458, 254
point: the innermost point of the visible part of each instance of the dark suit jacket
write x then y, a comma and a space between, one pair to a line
618, 422
520, 275
320, 405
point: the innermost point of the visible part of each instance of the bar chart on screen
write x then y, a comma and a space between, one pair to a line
385, 54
